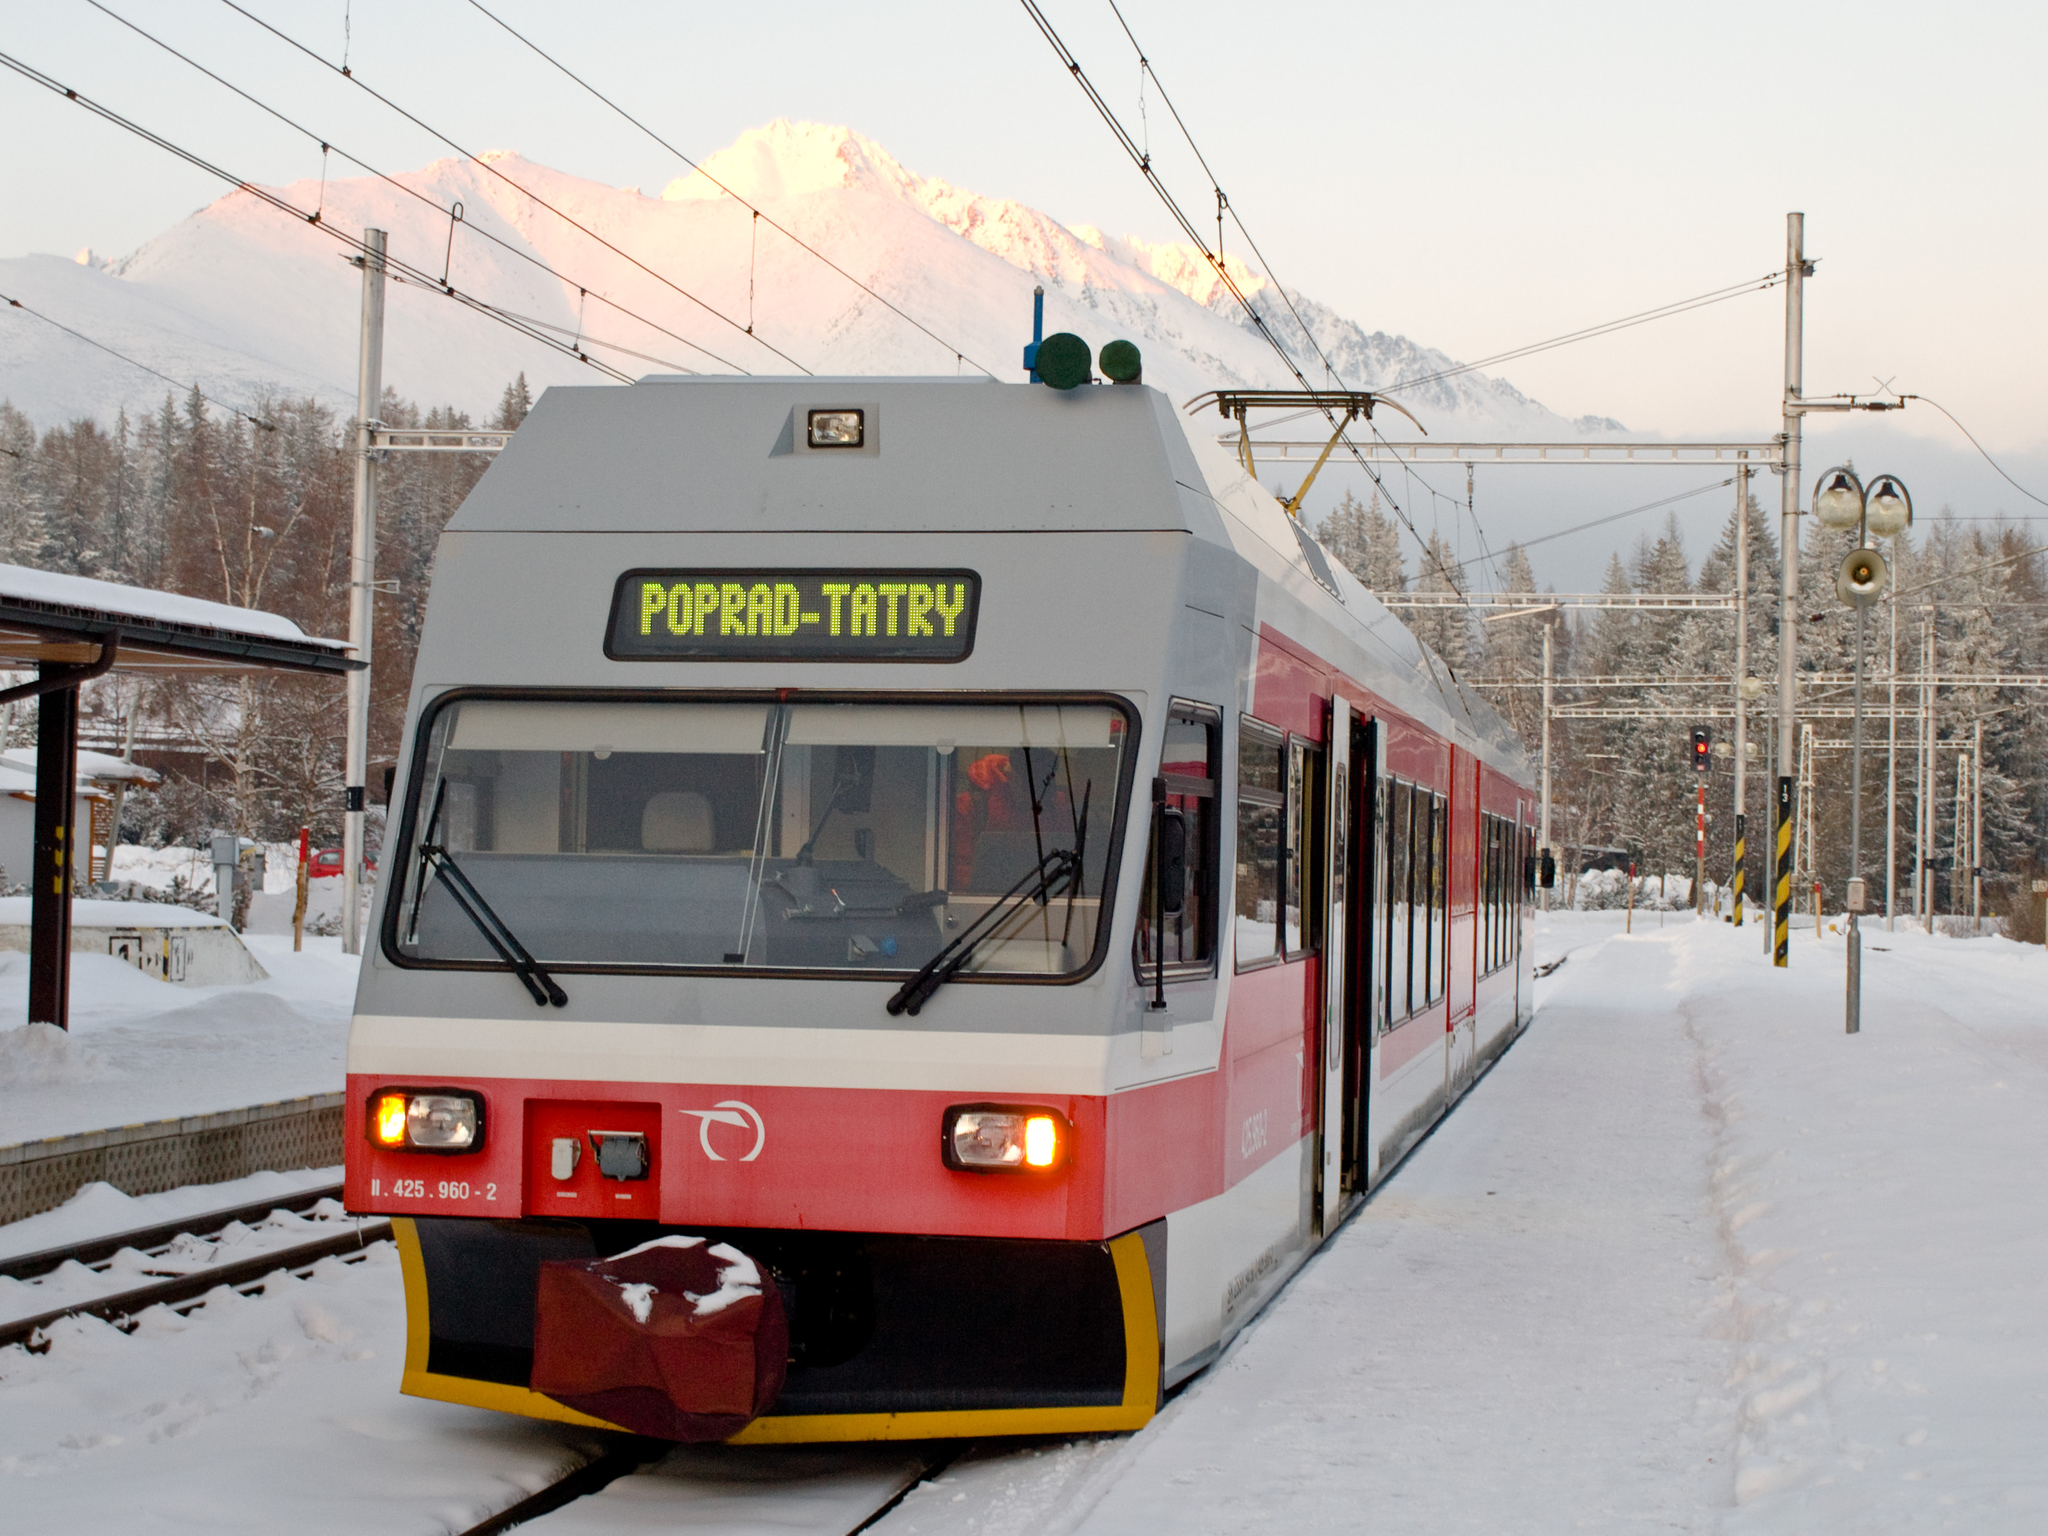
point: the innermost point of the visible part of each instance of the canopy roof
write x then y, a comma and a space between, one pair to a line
50, 618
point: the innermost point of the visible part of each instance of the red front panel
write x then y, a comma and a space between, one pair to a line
860, 1160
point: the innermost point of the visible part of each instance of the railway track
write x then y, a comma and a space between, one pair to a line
641, 1484
188, 1271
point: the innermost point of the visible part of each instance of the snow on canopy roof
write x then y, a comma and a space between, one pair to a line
91, 765
117, 601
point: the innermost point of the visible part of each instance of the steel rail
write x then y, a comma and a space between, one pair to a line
96, 1250
245, 1275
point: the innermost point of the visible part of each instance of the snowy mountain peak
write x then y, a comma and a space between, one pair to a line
787, 159
246, 300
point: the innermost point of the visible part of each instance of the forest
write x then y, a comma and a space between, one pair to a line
253, 507
1971, 601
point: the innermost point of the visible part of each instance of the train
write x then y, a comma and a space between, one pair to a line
909, 908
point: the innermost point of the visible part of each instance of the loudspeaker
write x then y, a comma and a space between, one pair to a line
1861, 579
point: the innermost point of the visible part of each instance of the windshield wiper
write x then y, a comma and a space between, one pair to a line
492, 927
1037, 885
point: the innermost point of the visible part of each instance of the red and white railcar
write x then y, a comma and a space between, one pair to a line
962, 851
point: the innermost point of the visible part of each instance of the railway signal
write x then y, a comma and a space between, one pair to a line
1702, 760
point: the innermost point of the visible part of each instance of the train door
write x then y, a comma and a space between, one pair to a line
1348, 990
1335, 1034
1517, 893
1375, 949
1361, 979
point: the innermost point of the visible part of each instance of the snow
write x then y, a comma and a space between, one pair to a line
240, 298
255, 1414
72, 1282
141, 1049
120, 601
91, 765
738, 1278
1688, 1258
88, 913
100, 1210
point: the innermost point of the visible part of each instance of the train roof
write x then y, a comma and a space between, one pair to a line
678, 453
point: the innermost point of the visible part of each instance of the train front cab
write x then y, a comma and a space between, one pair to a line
1347, 960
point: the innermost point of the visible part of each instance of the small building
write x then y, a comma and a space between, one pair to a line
100, 775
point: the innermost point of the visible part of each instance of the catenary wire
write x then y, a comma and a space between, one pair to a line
398, 270
1143, 161
768, 219
1615, 517
254, 421
1978, 446
421, 197
534, 197
1605, 328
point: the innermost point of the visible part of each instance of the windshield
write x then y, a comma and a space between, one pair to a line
825, 837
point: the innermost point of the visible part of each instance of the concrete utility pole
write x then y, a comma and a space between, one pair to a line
1546, 753
1891, 776
1977, 829
1740, 872
362, 593
1788, 583
1925, 827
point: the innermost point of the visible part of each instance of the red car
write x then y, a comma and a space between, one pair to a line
328, 862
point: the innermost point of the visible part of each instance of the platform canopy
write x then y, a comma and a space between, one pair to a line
46, 617
71, 629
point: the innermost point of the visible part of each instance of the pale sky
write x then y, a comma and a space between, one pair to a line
1474, 176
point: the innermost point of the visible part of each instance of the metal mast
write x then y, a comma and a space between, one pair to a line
1788, 583
1739, 873
362, 594
1546, 745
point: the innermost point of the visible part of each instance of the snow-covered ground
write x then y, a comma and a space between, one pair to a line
100, 1210
141, 1049
1689, 1258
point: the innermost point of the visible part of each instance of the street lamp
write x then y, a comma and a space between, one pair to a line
1886, 510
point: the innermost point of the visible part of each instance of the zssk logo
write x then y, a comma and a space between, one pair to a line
730, 1112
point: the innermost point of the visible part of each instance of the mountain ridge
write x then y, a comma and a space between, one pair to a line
237, 298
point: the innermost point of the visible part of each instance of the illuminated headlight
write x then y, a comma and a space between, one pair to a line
426, 1122
836, 429
1005, 1138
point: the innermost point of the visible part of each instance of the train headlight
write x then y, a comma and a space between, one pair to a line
837, 429
426, 1121
1004, 1138
387, 1120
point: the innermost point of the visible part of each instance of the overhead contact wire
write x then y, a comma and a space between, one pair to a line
534, 197
254, 421
399, 271
1143, 161
421, 197
780, 229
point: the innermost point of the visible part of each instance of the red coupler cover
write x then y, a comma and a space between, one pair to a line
678, 1339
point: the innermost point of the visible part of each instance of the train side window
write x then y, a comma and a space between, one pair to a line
1301, 866
1191, 765
1261, 806
1439, 895
1400, 898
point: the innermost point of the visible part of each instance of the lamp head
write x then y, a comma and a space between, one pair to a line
1838, 498
1888, 509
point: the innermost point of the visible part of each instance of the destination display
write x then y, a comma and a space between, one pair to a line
783, 615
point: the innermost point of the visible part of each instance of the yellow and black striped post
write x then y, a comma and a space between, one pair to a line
1741, 861
1781, 886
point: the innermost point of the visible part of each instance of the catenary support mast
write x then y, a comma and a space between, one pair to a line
1739, 875
362, 592
1788, 583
